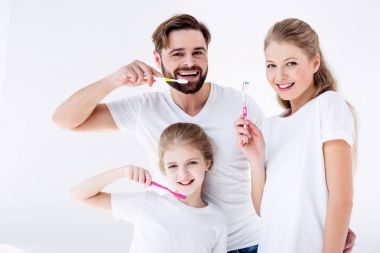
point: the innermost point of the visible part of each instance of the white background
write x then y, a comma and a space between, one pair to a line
49, 49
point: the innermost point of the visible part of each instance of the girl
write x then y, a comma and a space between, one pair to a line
165, 223
302, 175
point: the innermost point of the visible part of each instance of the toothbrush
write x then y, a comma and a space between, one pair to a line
178, 195
245, 110
167, 79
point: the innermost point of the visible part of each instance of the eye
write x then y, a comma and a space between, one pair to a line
177, 54
291, 63
198, 53
172, 166
192, 163
270, 66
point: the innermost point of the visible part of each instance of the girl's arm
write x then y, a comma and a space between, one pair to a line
338, 165
90, 191
251, 142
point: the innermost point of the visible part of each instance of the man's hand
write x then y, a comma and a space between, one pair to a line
134, 74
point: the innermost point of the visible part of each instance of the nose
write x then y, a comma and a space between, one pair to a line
280, 73
189, 61
183, 172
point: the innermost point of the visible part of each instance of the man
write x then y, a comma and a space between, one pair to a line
181, 46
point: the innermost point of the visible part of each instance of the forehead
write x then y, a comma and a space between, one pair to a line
187, 39
279, 51
180, 153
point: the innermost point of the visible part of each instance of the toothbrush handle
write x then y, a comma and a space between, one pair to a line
181, 196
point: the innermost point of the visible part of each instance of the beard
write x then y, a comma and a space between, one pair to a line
192, 86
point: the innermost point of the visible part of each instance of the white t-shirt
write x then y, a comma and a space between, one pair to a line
294, 204
227, 184
163, 224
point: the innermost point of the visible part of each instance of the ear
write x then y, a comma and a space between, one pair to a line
317, 62
157, 58
208, 164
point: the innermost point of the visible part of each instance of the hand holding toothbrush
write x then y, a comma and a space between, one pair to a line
137, 73
134, 74
143, 176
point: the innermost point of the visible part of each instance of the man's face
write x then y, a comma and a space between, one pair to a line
185, 58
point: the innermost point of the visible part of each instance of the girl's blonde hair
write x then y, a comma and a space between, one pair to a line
185, 134
301, 35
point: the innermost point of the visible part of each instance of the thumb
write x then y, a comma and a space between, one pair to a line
156, 73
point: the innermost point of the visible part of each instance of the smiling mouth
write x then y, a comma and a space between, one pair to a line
188, 73
186, 183
284, 86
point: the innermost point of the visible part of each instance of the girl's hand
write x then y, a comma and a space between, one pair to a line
250, 140
138, 174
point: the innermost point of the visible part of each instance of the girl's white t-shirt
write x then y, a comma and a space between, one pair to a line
295, 194
164, 224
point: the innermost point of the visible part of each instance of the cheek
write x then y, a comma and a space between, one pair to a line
270, 75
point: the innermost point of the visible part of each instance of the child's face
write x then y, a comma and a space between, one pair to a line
289, 71
185, 169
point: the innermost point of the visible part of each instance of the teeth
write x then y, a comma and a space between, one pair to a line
285, 85
186, 182
186, 73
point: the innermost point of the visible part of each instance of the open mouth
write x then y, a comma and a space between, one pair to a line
186, 183
189, 75
285, 86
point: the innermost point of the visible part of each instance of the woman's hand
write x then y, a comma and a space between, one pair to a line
250, 140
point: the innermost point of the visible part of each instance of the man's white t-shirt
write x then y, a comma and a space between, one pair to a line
294, 203
164, 224
227, 184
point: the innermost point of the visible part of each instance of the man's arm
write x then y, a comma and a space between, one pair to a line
83, 111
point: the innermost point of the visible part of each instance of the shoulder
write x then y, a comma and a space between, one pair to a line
330, 97
226, 91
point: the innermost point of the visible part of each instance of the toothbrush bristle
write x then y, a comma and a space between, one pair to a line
183, 81
245, 85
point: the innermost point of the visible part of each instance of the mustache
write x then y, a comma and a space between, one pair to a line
188, 69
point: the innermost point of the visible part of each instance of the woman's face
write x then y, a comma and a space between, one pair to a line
290, 72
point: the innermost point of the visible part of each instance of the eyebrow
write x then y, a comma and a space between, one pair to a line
183, 49
287, 59
190, 159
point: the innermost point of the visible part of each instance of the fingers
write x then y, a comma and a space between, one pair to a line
156, 73
350, 241
148, 178
142, 73
240, 129
138, 175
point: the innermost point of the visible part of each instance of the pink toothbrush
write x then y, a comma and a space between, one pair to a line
245, 110
178, 195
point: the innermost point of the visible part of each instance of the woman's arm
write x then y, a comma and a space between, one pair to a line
90, 191
251, 142
338, 166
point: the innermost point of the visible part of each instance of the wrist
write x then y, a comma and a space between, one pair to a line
112, 81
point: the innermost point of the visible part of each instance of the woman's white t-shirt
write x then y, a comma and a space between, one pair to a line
295, 194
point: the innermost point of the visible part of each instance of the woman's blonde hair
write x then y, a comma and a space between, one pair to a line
185, 134
300, 34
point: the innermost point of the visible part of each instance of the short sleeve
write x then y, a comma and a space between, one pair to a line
337, 120
125, 111
255, 113
127, 206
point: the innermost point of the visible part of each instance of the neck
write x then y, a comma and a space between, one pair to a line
194, 200
191, 104
297, 103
